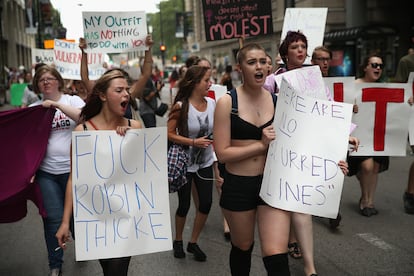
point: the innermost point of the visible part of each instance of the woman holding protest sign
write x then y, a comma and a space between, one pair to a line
104, 110
367, 168
243, 121
293, 52
54, 170
190, 123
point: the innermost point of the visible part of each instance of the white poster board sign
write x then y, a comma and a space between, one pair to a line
310, 21
382, 125
42, 56
306, 80
68, 60
115, 32
301, 172
219, 90
120, 193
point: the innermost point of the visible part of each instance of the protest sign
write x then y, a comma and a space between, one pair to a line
68, 56
115, 32
310, 21
306, 80
42, 56
16, 93
237, 19
120, 193
382, 118
301, 172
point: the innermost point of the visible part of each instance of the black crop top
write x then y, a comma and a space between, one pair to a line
241, 129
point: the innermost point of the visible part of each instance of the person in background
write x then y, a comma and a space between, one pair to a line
29, 96
190, 123
148, 103
104, 110
242, 148
405, 66
80, 89
269, 62
53, 173
367, 168
226, 79
322, 56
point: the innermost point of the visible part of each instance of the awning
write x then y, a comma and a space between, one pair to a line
360, 32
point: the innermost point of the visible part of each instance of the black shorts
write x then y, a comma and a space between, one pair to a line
241, 193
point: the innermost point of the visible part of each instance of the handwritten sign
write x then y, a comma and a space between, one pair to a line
301, 172
382, 118
42, 56
67, 57
310, 21
120, 193
115, 32
237, 18
306, 80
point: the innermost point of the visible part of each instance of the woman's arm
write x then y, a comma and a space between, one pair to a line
84, 67
70, 111
138, 86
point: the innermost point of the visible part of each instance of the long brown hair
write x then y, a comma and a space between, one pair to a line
94, 103
186, 86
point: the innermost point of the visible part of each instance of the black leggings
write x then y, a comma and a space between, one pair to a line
204, 185
115, 266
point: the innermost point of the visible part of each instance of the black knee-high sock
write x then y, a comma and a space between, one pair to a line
277, 265
240, 261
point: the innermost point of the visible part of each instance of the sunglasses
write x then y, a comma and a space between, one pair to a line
376, 65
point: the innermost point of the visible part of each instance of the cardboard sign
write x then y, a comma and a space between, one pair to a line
310, 21
42, 56
120, 193
67, 57
115, 32
382, 118
301, 172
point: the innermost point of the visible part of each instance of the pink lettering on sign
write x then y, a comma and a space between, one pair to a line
246, 27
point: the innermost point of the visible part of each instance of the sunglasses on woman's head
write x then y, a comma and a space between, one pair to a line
376, 65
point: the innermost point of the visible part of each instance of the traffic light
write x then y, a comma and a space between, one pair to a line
163, 48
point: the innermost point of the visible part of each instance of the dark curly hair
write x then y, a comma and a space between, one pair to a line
291, 36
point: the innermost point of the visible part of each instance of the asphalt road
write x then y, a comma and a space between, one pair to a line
378, 245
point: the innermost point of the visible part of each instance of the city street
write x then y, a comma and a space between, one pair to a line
377, 245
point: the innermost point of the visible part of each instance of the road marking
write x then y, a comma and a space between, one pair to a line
374, 240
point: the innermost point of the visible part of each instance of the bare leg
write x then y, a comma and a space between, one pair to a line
304, 232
